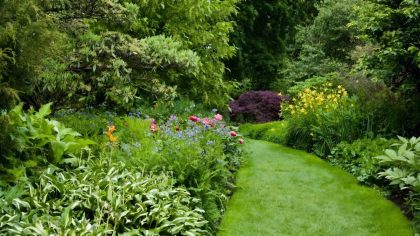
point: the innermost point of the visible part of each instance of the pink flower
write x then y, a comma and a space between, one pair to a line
153, 126
194, 118
207, 121
218, 117
241, 141
233, 133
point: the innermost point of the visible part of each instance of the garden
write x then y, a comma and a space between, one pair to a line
201, 117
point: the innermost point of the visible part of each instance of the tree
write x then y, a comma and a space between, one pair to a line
393, 28
262, 32
325, 46
117, 53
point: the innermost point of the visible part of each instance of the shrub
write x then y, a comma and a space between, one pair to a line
29, 140
388, 112
272, 131
258, 106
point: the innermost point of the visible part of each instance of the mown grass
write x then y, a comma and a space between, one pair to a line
282, 191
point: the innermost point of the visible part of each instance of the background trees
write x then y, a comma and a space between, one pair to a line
262, 31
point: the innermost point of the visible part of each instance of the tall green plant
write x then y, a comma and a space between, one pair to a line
392, 27
29, 140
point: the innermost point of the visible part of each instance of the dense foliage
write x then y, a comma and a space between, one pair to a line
99, 198
263, 30
319, 118
322, 47
141, 177
29, 142
351, 69
392, 27
401, 166
120, 53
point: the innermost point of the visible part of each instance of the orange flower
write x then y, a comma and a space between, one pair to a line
111, 130
112, 138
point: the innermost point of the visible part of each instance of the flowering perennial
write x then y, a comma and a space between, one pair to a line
110, 132
310, 100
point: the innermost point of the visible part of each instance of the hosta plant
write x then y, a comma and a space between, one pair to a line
402, 169
403, 164
100, 197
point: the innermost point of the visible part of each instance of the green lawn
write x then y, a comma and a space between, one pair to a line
282, 191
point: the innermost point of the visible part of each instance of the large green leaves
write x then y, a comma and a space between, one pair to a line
31, 140
403, 163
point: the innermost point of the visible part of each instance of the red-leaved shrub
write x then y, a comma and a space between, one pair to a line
258, 106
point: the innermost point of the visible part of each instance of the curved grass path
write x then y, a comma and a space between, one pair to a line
282, 191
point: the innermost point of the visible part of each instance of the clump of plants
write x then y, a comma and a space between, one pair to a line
29, 141
100, 197
357, 158
201, 154
319, 118
400, 165
256, 106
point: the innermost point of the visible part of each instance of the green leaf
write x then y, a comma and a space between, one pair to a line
417, 147
391, 154
65, 217
58, 149
44, 110
402, 149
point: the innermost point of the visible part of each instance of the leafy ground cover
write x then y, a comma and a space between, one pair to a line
120, 175
282, 191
